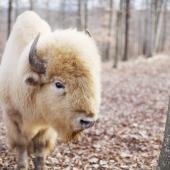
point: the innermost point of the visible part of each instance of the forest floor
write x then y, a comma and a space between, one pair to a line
130, 128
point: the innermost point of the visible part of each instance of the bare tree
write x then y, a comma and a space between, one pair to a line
79, 15
164, 158
154, 4
85, 14
118, 43
47, 4
31, 4
164, 29
159, 26
127, 15
82, 14
16, 8
9, 17
145, 33
147, 43
109, 28
146, 28
63, 12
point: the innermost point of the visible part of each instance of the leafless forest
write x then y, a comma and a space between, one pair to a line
123, 29
133, 37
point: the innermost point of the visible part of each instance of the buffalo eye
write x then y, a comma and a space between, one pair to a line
59, 85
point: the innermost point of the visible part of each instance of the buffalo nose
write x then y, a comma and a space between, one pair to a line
84, 123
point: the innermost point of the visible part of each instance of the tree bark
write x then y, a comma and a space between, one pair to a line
85, 14
127, 14
47, 4
159, 26
118, 32
149, 29
9, 17
164, 158
139, 33
109, 29
145, 34
154, 21
79, 16
31, 4
63, 12
117, 40
164, 32
16, 8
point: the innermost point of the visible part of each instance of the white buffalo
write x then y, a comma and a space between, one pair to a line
49, 86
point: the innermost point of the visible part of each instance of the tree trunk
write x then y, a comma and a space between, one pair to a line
139, 33
116, 55
122, 29
63, 12
79, 16
118, 32
9, 17
154, 21
31, 4
164, 158
159, 26
127, 14
145, 34
16, 8
47, 3
149, 29
85, 14
164, 32
109, 29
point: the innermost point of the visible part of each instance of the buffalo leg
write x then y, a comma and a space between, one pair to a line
43, 142
22, 158
16, 139
39, 157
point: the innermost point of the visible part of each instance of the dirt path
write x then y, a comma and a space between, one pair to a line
129, 131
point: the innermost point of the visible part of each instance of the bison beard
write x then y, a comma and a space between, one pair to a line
75, 135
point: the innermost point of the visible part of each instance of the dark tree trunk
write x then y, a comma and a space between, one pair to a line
149, 29
164, 32
127, 14
31, 4
9, 17
145, 33
47, 4
63, 12
16, 8
118, 32
160, 26
109, 29
79, 16
85, 14
117, 40
164, 158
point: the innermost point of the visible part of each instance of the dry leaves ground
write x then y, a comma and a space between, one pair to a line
130, 129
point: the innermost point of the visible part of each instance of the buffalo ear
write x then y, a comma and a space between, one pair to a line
88, 33
32, 79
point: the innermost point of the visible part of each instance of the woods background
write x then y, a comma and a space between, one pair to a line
123, 29
134, 96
